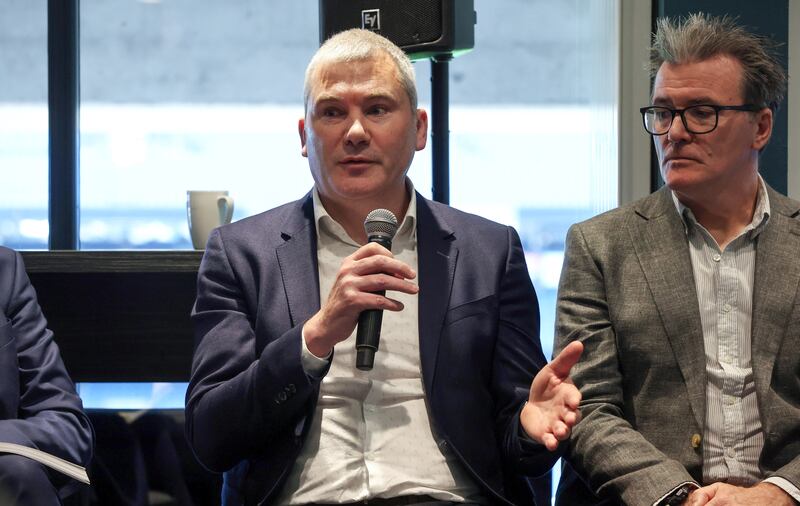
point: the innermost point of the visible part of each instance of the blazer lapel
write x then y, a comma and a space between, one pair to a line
437, 257
659, 239
775, 285
297, 259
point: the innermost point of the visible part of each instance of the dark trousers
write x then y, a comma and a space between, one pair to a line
25, 482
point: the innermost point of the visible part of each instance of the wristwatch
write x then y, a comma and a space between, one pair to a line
677, 497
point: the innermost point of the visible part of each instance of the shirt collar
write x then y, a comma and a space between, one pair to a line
756, 225
325, 224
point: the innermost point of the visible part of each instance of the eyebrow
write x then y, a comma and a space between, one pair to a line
704, 100
378, 95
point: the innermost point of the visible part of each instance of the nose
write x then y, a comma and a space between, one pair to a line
677, 130
357, 134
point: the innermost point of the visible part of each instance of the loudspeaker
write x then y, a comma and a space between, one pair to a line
422, 28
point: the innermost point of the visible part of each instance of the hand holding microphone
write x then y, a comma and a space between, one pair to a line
380, 225
360, 286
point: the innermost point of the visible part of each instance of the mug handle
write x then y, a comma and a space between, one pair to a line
225, 206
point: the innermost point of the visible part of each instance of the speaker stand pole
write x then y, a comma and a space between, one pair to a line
440, 127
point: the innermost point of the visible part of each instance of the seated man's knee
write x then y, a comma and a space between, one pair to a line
23, 481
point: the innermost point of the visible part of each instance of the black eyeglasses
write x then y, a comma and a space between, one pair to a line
697, 119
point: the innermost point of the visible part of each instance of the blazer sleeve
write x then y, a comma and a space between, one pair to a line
239, 401
615, 459
789, 472
49, 414
518, 357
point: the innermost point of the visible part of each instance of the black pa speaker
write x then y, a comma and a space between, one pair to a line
422, 28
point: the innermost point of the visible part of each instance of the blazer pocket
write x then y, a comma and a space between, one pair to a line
484, 306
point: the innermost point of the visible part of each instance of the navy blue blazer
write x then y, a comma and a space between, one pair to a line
249, 401
39, 407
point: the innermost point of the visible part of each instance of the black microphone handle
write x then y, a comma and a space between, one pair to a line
368, 335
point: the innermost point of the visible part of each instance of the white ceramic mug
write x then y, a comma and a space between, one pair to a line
205, 211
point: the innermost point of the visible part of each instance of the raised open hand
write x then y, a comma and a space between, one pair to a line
552, 408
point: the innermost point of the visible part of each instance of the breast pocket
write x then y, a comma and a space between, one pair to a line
486, 306
470, 330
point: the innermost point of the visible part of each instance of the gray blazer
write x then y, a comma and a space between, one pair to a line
627, 292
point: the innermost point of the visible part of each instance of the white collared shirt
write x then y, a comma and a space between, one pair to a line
733, 437
371, 435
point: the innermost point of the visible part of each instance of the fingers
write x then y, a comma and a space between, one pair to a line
352, 296
697, 498
368, 271
567, 400
550, 442
702, 496
376, 252
569, 356
381, 262
370, 249
568, 419
561, 431
570, 395
546, 425
375, 301
711, 490
384, 282
571, 417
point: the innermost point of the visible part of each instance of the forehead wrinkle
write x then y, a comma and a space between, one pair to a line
330, 74
710, 77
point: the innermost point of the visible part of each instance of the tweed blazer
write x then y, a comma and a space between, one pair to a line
627, 291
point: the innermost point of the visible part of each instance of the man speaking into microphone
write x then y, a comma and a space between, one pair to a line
450, 412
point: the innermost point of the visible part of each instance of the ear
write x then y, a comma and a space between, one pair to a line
763, 131
301, 129
422, 129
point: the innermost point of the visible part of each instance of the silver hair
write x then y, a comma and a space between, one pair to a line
357, 45
699, 36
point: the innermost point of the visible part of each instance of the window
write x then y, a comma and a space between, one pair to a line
23, 125
534, 126
179, 96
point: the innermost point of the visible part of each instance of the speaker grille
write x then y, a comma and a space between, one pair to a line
404, 22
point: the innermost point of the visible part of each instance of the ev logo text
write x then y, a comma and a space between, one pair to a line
371, 19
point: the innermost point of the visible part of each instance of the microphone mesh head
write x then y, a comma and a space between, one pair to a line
381, 222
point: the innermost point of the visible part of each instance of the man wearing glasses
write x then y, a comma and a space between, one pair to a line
687, 301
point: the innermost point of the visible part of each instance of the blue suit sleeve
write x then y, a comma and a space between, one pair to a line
240, 401
518, 358
39, 406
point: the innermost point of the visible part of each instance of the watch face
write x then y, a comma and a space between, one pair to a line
677, 497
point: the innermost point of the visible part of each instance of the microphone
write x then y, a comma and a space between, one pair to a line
380, 225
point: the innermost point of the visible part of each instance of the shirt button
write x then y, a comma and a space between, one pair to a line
717, 257
726, 308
